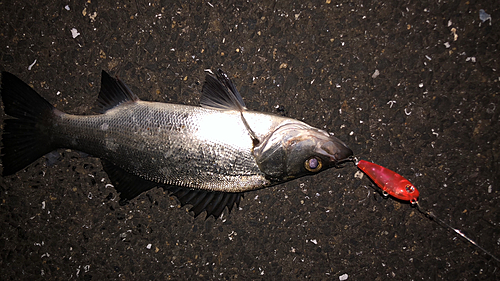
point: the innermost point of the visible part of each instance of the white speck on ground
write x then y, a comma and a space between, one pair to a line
31, 65
483, 16
74, 32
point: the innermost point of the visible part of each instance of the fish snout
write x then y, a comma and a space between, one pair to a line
336, 150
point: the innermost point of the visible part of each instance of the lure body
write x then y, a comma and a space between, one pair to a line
389, 181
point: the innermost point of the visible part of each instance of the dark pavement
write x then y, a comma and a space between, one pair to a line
411, 85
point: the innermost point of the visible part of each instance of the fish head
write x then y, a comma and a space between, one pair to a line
296, 149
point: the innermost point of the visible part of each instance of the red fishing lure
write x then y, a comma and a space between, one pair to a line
389, 181
396, 185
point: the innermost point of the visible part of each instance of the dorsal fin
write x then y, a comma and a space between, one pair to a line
220, 93
113, 92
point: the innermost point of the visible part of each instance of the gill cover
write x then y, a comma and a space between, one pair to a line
297, 149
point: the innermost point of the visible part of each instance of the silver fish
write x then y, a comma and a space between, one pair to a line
205, 156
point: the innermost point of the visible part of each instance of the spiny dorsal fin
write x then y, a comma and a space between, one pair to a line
220, 93
113, 92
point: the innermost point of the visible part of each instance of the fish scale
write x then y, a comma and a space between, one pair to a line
163, 143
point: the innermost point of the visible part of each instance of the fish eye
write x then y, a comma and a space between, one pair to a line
313, 164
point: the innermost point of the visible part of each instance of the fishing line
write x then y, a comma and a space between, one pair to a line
442, 223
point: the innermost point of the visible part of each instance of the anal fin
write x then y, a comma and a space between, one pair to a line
129, 185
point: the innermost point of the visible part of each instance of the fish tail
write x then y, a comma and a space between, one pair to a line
26, 136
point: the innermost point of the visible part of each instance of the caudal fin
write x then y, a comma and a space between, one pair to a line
25, 136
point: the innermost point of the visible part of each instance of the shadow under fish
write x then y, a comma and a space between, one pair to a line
205, 156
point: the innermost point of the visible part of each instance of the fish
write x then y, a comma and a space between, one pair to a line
206, 156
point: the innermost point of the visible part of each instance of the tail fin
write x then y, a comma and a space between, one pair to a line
25, 137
